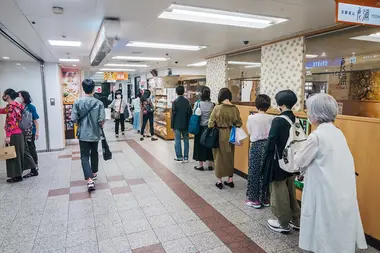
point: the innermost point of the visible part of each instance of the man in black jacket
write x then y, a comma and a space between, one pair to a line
181, 113
283, 197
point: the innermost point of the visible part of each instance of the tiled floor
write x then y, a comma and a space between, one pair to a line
144, 203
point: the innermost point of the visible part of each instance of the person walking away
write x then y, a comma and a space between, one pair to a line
224, 116
89, 114
14, 137
147, 109
282, 189
181, 113
30, 140
118, 105
201, 153
258, 126
136, 112
330, 218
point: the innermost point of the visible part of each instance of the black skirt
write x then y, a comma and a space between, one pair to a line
201, 153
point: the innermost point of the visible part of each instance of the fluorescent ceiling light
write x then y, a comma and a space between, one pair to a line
126, 65
309, 56
212, 16
99, 72
253, 66
18, 64
244, 63
374, 37
65, 43
118, 70
6, 58
69, 60
164, 46
139, 58
198, 64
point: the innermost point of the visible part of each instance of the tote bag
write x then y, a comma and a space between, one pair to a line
107, 154
7, 153
195, 121
210, 138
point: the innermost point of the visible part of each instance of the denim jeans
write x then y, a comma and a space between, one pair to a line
136, 120
178, 145
89, 150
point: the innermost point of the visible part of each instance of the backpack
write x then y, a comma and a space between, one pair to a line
295, 143
26, 122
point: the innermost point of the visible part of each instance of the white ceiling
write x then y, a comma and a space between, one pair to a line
8, 49
82, 19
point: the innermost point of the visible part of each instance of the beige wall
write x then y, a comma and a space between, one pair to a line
216, 75
282, 67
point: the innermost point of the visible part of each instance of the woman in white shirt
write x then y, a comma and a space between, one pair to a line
136, 112
118, 105
330, 218
258, 126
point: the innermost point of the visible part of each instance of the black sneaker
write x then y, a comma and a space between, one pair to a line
231, 184
91, 186
178, 160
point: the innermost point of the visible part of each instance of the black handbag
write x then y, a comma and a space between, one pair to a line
210, 138
107, 154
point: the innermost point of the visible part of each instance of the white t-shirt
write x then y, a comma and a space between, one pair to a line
258, 126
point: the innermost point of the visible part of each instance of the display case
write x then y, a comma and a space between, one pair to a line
69, 124
163, 99
191, 84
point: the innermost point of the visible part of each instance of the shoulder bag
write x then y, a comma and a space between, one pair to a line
195, 120
107, 154
210, 137
115, 114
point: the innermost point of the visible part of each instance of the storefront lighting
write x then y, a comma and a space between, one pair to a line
219, 17
374, 37
119, 70
198, 64
65, 43
310, 56
139, 58
164, 46
244, 63
6, 58
126, 65
69, 60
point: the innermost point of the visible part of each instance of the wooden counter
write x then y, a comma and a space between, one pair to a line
363, 137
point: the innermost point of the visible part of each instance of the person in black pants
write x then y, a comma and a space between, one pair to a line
118, 105
147, 111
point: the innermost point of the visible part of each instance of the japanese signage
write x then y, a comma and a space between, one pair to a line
70, 85
366, 12
113, 76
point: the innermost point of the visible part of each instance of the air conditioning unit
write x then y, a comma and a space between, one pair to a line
107, 38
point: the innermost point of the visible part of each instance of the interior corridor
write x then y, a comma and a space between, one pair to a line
144, 202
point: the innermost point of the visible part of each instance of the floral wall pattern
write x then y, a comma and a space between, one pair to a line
216, 75
282, 67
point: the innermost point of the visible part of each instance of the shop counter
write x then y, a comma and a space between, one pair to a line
363, 138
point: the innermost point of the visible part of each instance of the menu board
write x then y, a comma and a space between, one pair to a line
70, 85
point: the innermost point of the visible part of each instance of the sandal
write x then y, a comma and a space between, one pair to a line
14, 180
31, 174
199, 168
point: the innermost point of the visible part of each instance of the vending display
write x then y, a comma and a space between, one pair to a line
69, 124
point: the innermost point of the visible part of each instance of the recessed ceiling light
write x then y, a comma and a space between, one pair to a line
138, 58
311, 56
18, 64
212, 16
164, 46
244, 63
121, 70
65, 43
126, 65
198, 64
69, 60
6, 58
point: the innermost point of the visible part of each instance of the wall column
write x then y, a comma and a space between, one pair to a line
216, 75
283, 67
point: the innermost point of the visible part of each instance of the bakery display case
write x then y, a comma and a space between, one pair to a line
162, 116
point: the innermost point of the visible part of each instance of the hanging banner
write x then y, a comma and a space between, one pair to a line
115, 76
364, 12
70, 85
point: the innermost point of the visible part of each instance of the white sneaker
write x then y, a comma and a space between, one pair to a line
91, 186
293, 226
275, 226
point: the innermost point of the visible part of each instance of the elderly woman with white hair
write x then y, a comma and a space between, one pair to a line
330, 218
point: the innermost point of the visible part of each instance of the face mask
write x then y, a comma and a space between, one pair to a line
19, 100
4, 98
118, 96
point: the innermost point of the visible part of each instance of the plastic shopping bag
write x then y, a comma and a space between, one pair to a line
233, 135
108, 113
240, 135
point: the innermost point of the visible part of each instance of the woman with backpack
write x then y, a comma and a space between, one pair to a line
148, 114
283, 193
15, 137
30, 135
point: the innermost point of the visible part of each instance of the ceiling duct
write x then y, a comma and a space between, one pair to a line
108, 36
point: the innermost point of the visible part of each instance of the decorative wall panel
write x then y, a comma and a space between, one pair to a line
282, 67
216, 75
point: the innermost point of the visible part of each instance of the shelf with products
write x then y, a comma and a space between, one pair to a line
162, 115
192, 85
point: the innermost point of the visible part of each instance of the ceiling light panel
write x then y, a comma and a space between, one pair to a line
164, 46
212, 16
126, 65
118, 70
139, 58
65, 43
198, 64
310, 56
6, 58
69, 60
